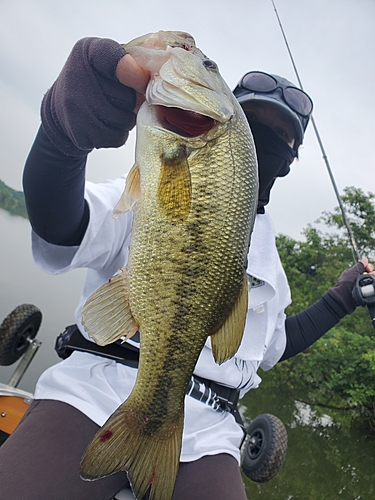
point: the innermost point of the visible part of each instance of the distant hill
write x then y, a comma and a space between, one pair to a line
12, 201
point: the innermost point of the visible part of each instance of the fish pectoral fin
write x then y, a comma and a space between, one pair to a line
106, 315
226, 341
131, 194
130, 441
174, 192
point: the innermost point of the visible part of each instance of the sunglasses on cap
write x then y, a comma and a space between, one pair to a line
295, 98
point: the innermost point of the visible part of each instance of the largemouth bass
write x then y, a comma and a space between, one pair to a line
193, 190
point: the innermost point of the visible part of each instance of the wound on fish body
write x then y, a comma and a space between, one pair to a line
106, 435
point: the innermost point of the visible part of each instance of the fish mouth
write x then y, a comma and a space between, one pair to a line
183, 122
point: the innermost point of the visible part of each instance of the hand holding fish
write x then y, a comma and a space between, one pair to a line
129, 73
93, 102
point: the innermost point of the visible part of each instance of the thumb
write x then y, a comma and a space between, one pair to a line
129, 73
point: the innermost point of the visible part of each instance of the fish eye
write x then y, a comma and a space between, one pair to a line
210, 64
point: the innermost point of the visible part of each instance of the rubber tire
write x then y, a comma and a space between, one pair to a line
17, 329
264, 449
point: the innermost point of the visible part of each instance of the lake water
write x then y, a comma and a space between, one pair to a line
325, 460
21, 281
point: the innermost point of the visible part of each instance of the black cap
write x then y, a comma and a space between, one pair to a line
276, 99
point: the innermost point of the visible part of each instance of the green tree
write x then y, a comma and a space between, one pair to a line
339, 370
314, 265
360, 211
12, 201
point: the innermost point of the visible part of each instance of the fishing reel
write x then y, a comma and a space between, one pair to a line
364, 293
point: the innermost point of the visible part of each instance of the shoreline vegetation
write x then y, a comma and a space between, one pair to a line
12, 201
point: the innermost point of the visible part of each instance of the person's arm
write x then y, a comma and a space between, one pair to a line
306, 327
91, 105
54, 186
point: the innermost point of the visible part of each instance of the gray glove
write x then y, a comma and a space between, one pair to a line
342, 291
87, 107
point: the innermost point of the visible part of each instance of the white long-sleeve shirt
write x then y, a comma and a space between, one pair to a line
97, 386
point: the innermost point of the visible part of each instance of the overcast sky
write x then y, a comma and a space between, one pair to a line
333, 43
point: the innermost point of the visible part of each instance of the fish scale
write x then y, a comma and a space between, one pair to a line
194, 202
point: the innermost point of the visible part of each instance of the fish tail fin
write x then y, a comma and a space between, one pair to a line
130, 442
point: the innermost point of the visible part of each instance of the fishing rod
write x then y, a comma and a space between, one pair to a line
325, 157
364, 288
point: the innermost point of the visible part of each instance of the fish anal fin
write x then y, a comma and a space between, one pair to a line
106, 315
226, 341
131, 194
129, 441
174, 192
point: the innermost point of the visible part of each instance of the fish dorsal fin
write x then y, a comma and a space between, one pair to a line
131, 194
106, 315
226, 341
174, 192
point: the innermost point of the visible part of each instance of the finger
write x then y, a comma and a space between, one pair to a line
364, 261
129, 73
140, 100
369, 268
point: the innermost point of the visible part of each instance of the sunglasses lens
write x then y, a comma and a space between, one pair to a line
298, 101
258, 82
